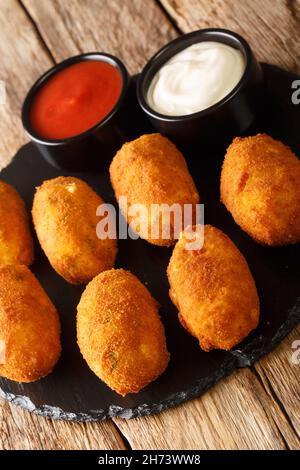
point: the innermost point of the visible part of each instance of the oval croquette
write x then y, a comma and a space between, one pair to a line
64, 215
151, 170
260, 187
213, 290
29, 326
16, 245
119, 332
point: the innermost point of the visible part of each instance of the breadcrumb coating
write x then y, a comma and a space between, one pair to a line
260, 187
64, 215
29, 326
151, 170
214, 291
119, 332
16, 245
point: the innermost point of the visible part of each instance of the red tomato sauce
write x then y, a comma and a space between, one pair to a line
75, 99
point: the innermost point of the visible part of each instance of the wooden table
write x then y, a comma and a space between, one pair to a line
255, 408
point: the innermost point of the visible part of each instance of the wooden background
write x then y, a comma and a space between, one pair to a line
255, 408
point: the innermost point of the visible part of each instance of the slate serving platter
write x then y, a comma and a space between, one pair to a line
72, 391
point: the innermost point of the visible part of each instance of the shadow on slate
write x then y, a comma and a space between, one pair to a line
72, 391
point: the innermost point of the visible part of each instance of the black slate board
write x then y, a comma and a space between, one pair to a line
72, 391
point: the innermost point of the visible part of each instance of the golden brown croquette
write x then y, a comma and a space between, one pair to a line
213, 290
151, 170
119, 332
260, 187
64, 215
16, 245
29, 326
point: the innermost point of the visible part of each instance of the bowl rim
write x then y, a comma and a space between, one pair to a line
179, 44
38, 84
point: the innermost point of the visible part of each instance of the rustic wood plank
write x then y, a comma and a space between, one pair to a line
23, 59
232, 415
281, 378
272, 29
237, 413
22, 430
270, 26
69, 28
132, 29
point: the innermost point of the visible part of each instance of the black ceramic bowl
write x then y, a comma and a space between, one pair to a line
94, 145
220, 122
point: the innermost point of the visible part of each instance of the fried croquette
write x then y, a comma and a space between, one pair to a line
64, 215
16, 245
119, 332
260, 187
29, 326
151, 170
213, 290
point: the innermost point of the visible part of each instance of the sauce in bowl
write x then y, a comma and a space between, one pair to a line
196, 78
75, 99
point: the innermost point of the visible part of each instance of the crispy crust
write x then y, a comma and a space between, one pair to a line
16, 245
29, 326
151, 170
64, 215
120, 333
260, 186
214, 291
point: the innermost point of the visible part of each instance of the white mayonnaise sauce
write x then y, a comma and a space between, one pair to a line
196, 78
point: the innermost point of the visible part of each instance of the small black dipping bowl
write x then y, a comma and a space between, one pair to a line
95, 145
217, 124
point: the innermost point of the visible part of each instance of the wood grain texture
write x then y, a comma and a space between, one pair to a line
132, 29
280, 374
250, 409
23, 59
270, 26
232, 415
22, 430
